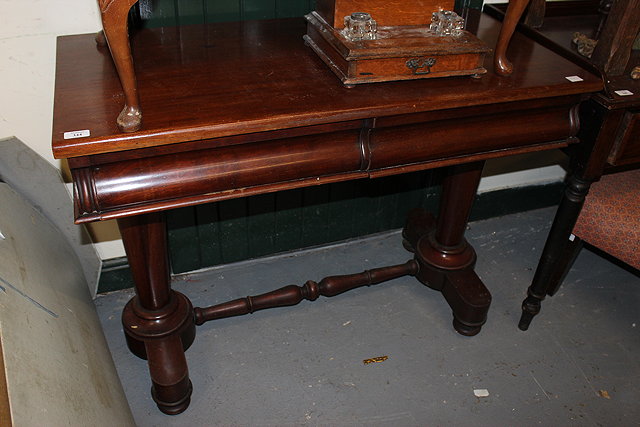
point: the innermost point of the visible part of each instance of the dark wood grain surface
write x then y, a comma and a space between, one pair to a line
204, 82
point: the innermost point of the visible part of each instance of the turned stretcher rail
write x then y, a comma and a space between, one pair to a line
292, 294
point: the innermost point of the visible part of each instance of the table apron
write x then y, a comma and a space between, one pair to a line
154, 183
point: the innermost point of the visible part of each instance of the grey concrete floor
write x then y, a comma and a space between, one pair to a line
579, 364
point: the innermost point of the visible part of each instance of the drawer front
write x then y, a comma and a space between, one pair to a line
148, 181
413, 67
164, 181
471, 136
626, 148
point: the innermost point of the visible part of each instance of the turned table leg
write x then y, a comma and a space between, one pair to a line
158, 322
114, 21
445, 258
515, 9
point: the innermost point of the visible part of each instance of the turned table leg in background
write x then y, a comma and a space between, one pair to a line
158, 322
548, 276
589, 158
114, 21
445, 258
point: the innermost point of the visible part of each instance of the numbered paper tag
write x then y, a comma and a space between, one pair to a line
574, 79
77, 134
624, 92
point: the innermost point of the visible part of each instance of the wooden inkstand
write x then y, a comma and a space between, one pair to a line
366, 41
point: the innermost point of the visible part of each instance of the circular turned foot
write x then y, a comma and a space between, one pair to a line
445, 258
141, 325
173, 408
525, 321
465, 330
530, 308
502, 66
162, 336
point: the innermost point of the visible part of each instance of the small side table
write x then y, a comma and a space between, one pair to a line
241, 109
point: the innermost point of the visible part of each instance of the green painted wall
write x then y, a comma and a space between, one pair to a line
157, 13
251, 227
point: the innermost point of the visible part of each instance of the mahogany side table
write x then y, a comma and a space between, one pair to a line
240, 109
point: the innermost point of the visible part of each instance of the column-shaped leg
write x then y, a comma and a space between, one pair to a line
445, 258
158, 322
546, 279
114, 21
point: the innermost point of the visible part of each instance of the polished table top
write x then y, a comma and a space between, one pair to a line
203, 82
239, 109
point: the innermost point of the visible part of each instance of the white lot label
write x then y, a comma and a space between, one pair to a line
77, 134
574, 79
